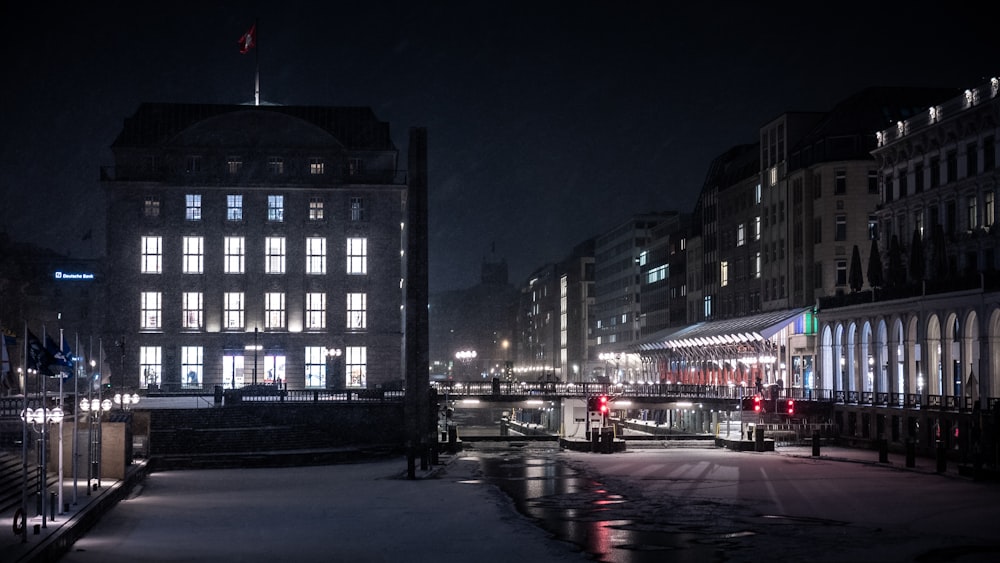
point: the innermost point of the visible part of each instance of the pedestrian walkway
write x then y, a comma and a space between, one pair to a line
857, 455
49, 542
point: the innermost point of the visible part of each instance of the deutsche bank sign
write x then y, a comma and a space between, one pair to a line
73, 276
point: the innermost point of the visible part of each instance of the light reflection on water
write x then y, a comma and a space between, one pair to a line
581, 510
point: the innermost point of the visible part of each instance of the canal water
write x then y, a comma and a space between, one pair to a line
579, 509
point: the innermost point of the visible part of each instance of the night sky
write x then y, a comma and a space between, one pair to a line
548, 122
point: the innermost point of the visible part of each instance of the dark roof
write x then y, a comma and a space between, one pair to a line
860, 116
156, 123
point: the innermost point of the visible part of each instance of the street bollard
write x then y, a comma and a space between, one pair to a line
53, 502
759, 439
883, 450
911, 453
942, 461
815, 444
595, 441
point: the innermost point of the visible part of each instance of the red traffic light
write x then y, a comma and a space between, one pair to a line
791, 406
756, 404
603, 402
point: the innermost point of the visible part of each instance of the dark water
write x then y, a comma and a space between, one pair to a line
578, 509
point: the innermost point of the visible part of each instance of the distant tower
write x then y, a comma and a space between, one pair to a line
494, 269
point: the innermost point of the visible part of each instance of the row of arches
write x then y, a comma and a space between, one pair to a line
924, 351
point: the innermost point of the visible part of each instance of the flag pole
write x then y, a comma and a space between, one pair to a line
256, 62
76, 427
24, 438
62, 346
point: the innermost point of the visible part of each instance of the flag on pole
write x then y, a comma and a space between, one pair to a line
61, 360
38, 358
7, 339
248, 40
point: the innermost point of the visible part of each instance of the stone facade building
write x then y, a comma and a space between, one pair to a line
255, 245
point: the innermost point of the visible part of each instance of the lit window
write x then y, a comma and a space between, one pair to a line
357, 311
316, 166
232, 311
708, 306
315, 209
150, 364
274, 255
973, 215
234, 165
724, 273
756, 228
152, 315
315, 366
232, 371
234, 255
741, 234
274, 310
192, 366
356, 366
658, 273
276, 208
315, 255
756, 265
274, 369
276, 165
192, 207
357, 256
234, 207
194, 255
151, 206
315, 311
358, 209
193, 315
152, 255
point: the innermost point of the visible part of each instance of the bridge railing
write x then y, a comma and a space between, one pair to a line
636, 390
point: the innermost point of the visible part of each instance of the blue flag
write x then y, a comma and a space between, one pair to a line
38, 358
60, 362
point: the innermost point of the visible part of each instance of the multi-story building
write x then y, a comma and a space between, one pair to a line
576, 300
471, 328
255, 245
663, 285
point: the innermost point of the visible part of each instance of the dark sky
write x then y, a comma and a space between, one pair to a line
548, 122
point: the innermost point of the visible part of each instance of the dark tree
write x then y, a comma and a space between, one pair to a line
917, 259
854, 277
876, 276
939, 254
896, 276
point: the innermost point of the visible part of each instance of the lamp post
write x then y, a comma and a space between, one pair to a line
255, 347
95, 408
465, 357
24, 448
42, 416
125, 401
121, 378
333, 358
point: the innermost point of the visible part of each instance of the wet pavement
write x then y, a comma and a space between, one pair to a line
716, 505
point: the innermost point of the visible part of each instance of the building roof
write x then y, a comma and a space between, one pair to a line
752, 328
357, 128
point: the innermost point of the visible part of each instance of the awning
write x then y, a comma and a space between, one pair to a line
729, 332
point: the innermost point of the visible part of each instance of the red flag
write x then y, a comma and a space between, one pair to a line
248, 40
